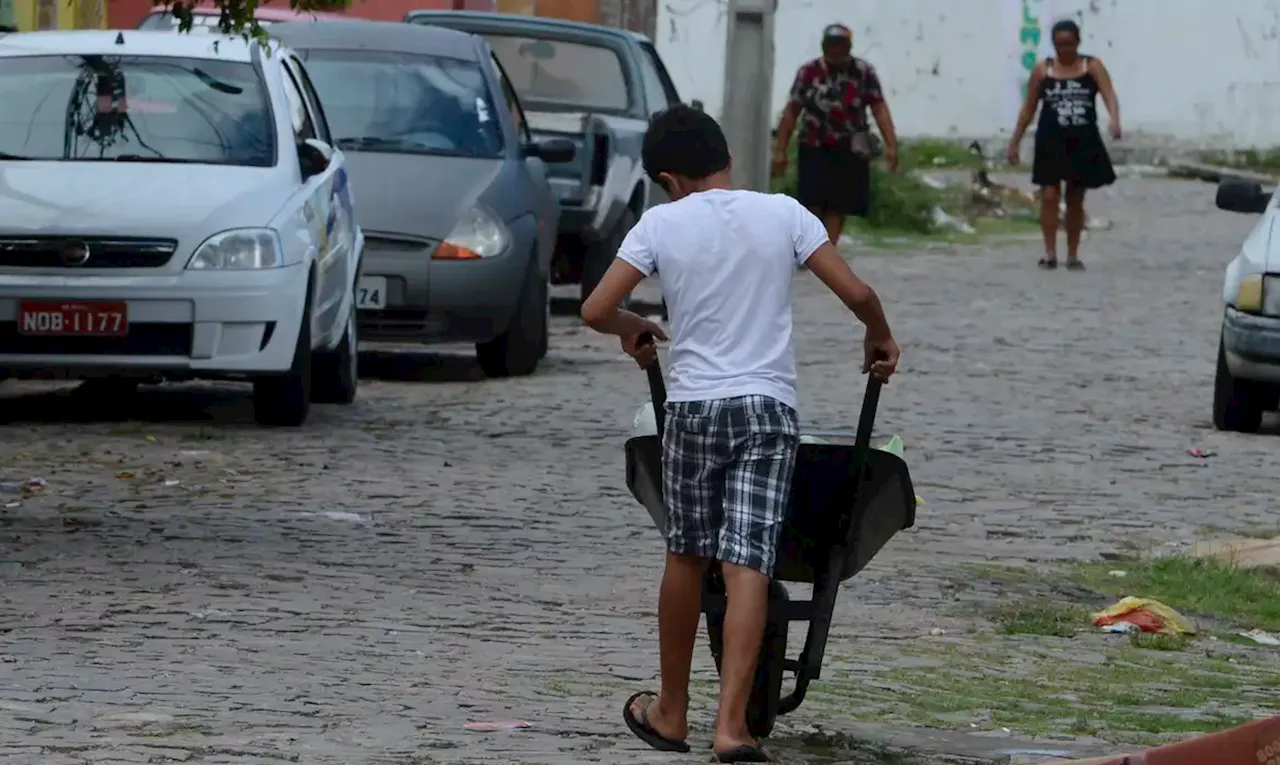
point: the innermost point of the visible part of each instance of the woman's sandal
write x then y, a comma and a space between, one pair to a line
1074, 264
1048, 264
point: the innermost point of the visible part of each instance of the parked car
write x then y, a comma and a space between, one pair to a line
596, 86
204, 18
1247, 382
173, 210
460, 217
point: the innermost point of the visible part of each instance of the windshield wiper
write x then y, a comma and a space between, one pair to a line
368, 142
141, 158
6, 155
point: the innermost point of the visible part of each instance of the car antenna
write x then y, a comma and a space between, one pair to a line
119, 38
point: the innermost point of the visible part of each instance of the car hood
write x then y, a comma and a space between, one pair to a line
178, 201
416, 194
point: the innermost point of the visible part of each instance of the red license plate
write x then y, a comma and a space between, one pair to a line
60, 317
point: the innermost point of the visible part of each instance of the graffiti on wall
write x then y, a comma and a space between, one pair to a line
1029, 34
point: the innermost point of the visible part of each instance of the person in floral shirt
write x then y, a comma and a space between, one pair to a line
829, 102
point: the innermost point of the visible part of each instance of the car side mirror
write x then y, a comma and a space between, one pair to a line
696, 104
552, 150
1242, 196
313, 157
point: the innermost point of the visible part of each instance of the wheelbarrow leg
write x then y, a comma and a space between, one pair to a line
766, 688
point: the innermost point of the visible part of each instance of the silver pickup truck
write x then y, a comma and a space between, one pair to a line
596, 86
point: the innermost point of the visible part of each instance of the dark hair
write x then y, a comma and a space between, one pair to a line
1066, 25
684, 141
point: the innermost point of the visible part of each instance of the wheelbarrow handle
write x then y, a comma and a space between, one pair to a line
657, 387
861, 449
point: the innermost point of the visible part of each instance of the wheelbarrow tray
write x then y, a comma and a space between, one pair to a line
826, 496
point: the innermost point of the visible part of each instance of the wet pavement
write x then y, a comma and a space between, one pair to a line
189, 587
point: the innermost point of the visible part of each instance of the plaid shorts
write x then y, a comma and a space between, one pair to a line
726, 475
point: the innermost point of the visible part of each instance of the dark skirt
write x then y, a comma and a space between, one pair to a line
833, 180
1077, 159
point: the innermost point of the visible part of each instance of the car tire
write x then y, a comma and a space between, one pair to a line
285, 400
1237, 404
336, 374
516, 352
600, 255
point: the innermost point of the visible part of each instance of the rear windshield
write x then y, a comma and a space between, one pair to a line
200, 22
135, 108
561, 75
405, 103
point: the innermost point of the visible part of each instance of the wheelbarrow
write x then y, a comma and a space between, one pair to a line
847, 500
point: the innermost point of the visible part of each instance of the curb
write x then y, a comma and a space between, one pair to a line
1255, 743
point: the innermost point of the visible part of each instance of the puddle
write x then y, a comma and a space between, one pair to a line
337, 515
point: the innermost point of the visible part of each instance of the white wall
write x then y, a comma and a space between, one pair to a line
1201, 71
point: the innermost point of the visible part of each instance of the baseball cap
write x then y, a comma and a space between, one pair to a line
837, 33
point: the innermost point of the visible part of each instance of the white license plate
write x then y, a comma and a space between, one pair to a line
371, 292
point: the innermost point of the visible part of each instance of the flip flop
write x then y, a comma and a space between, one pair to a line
1075, 265
645, 732
1048, 264
743, 754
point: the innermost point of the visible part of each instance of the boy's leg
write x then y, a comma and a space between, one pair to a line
757, 490
692, 477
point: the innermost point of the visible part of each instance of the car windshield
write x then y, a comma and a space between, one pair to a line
134, 108
403, 103
562, 75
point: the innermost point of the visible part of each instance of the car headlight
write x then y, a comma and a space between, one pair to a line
1271, 295
239, 249
477, 235
1249, 294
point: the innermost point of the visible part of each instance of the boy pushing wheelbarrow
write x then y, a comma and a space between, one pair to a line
726, 259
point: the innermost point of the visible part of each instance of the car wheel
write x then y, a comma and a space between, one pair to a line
336, 373
600, 255
285, 400
517, 351
1237, 404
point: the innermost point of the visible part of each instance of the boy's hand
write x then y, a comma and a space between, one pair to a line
881, 357
640, 345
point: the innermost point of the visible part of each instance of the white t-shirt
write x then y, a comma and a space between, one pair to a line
726, 260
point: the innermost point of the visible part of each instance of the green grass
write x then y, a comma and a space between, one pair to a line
1034, 687
902, 204
985, 229
1245, 598
935, 153
1259, 160
1041, 617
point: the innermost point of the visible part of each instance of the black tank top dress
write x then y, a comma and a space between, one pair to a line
1069, 148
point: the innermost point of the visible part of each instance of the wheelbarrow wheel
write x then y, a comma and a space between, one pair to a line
766, 689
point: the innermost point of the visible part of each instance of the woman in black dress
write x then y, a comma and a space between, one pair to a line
1069, 148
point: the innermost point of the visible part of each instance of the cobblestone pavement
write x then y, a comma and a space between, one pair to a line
452, 549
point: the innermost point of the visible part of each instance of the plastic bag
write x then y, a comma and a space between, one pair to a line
1146, 615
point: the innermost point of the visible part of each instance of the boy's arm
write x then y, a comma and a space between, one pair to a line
602, 308
881, 350
814, 249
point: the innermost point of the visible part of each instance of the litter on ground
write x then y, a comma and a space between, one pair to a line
1144, 615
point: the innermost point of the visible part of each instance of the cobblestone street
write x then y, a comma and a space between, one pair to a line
451, 549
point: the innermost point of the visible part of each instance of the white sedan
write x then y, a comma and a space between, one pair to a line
172, 207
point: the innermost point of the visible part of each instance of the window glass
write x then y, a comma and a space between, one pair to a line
405, 103
159, 109
556, 74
